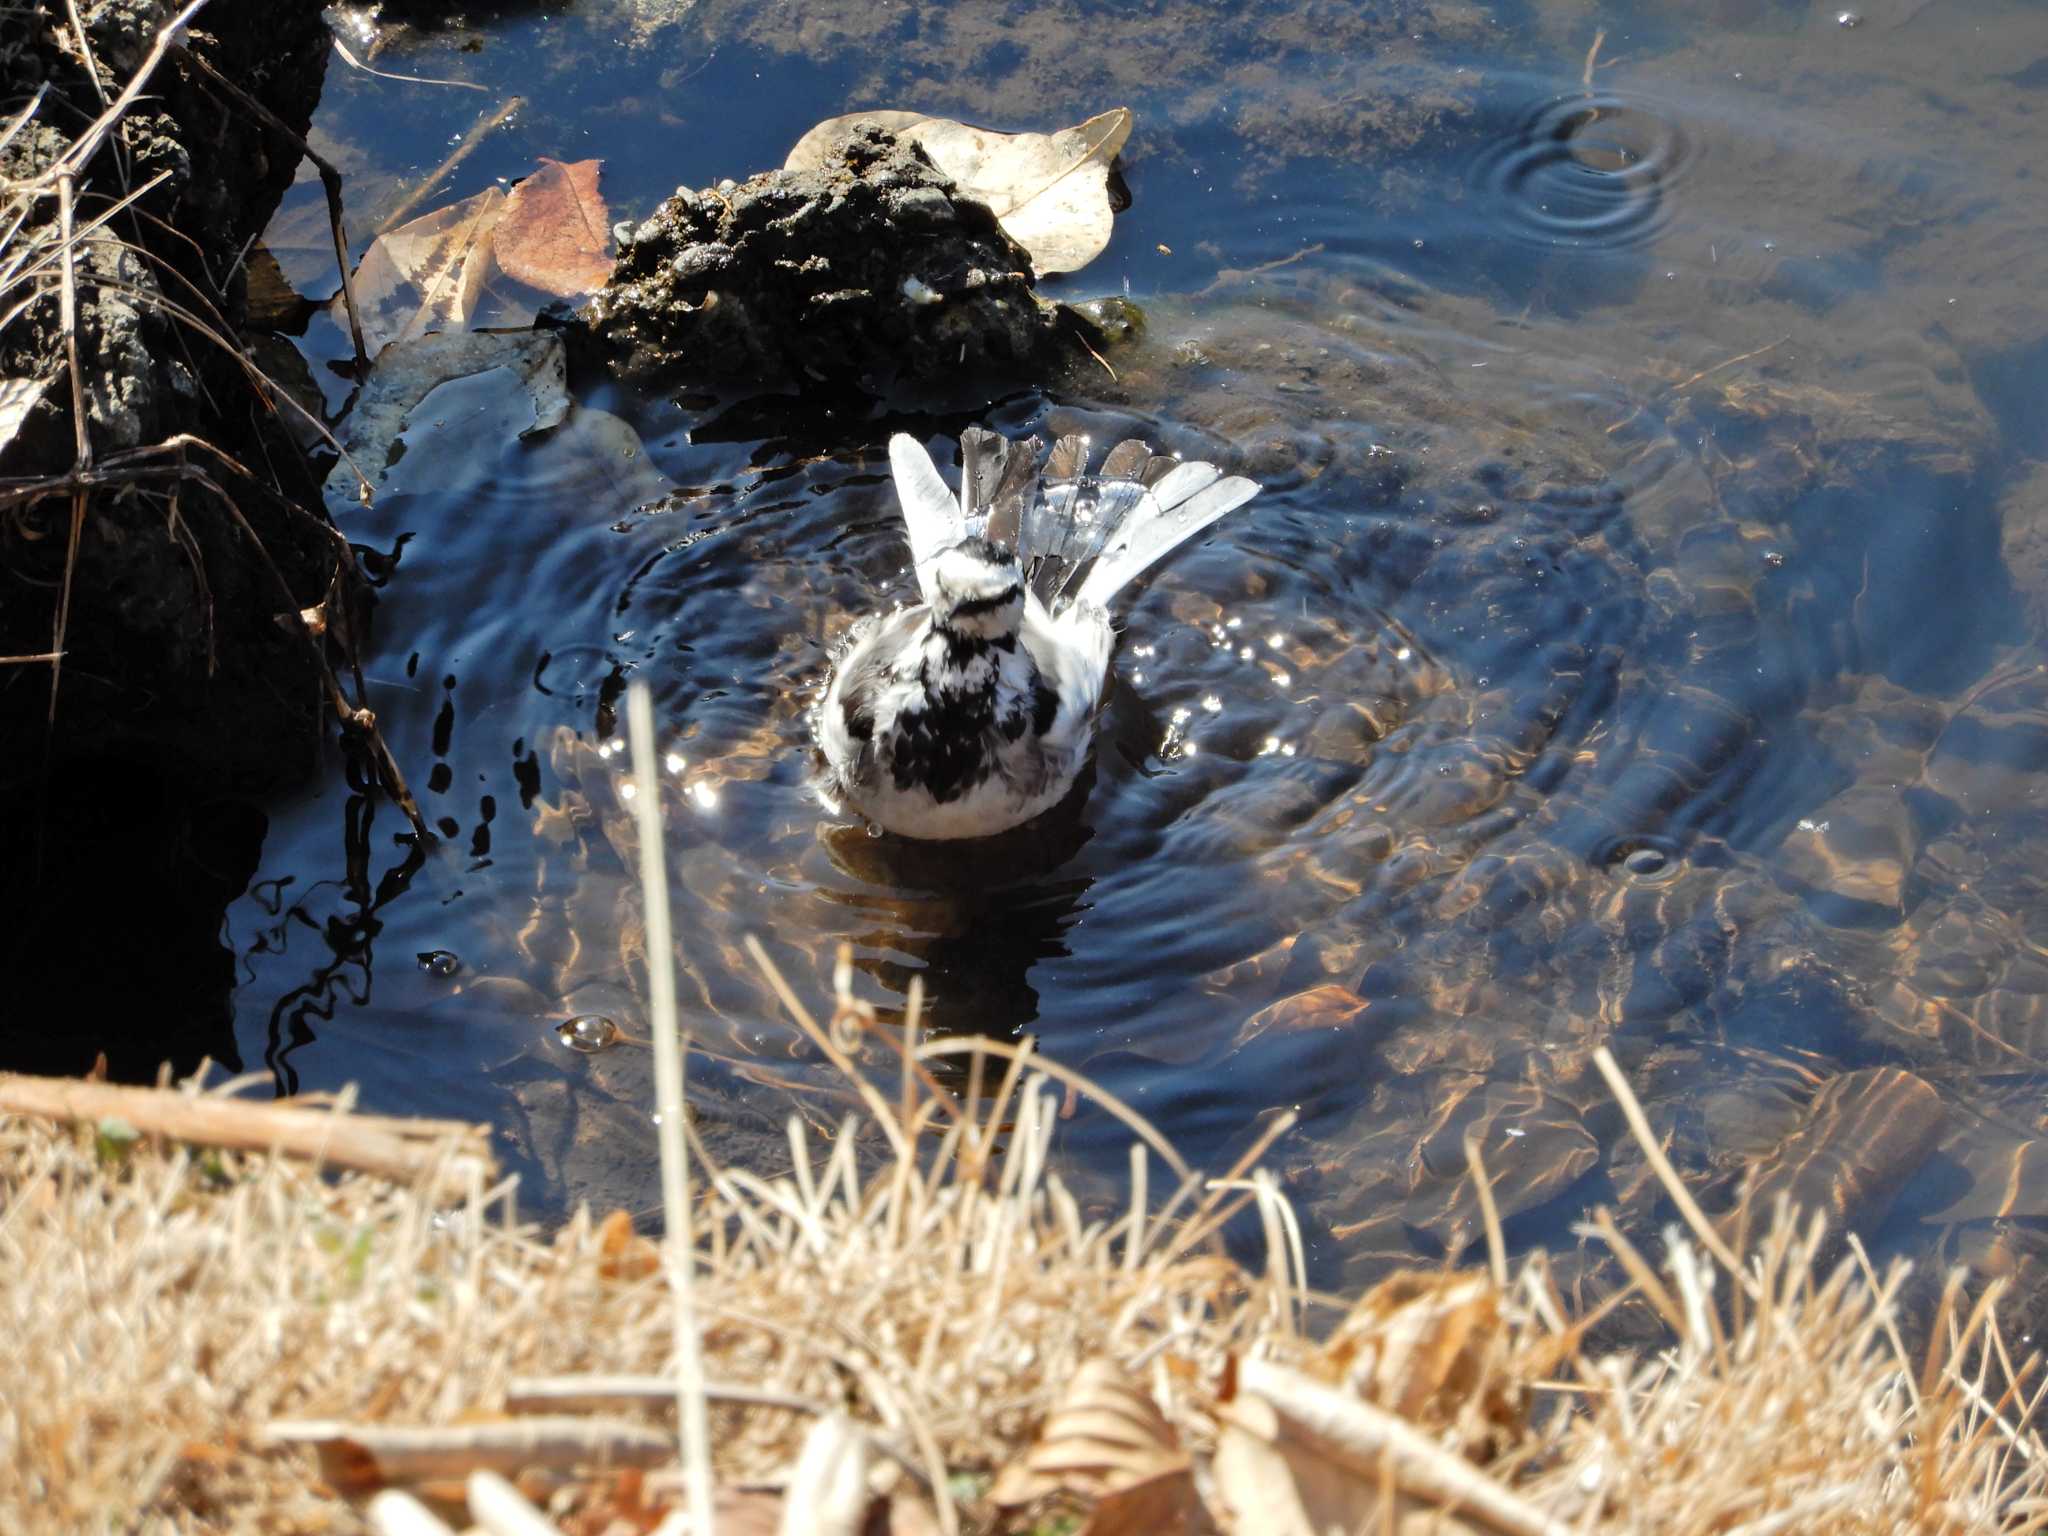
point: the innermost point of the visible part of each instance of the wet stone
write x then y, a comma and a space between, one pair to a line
869, 271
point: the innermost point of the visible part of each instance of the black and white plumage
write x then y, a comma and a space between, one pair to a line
971, 712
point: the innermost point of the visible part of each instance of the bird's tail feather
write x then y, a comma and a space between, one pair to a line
1089, 535
1104, 529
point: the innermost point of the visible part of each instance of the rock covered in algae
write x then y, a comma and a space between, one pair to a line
870, 270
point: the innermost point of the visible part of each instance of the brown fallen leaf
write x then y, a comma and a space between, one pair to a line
427, 275
556, 232
1108, 1443
1272, 1485
1430, 1346
1295, 1457
1050, 191
626, 1254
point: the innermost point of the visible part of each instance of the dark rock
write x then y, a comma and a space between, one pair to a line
871, 271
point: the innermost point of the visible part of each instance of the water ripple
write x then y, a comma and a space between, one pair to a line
1587, 169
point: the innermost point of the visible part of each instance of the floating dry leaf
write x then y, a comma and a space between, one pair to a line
429, 274
17, 398
556, 231
1108, 1443
1050, 191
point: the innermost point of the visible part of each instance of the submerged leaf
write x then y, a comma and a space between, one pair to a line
531, 398
1050, 191
556, 231
427, 275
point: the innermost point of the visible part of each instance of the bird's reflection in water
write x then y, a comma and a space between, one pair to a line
971, 917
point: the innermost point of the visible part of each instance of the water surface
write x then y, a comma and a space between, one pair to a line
1637, 641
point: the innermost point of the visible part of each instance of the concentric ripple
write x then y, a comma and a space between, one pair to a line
1595, 170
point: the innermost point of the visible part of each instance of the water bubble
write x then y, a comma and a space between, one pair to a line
588, 1033
1646, 861
441, 963
1650, 859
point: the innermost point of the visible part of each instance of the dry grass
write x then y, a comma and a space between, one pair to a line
162, 1306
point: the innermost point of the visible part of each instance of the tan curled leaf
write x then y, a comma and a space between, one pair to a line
556, 234
1295, 1455
427, 275
1050, 191
17, 398
1269, 1484
1108, 1443
1428, 1345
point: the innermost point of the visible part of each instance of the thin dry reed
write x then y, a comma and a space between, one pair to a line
160, 1308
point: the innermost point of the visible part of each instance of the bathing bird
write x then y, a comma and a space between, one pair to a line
971, 712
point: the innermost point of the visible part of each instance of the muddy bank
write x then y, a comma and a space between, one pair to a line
125, 828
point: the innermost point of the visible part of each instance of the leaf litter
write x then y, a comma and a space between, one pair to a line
1049, 191
953, 1310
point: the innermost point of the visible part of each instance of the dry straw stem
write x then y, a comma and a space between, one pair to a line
160, 1309
396, 1149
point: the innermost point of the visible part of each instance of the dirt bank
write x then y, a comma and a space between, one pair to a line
121, 822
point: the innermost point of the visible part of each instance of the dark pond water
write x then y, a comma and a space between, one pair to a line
1638, 640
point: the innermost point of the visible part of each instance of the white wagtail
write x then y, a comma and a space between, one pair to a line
971, 712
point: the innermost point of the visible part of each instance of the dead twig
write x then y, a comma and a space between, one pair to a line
399, 1150
460, 153
330, 183
384, 74
1730, 363
360, 1455
1231, 275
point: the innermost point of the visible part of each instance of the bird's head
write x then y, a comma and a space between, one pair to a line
978, 589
